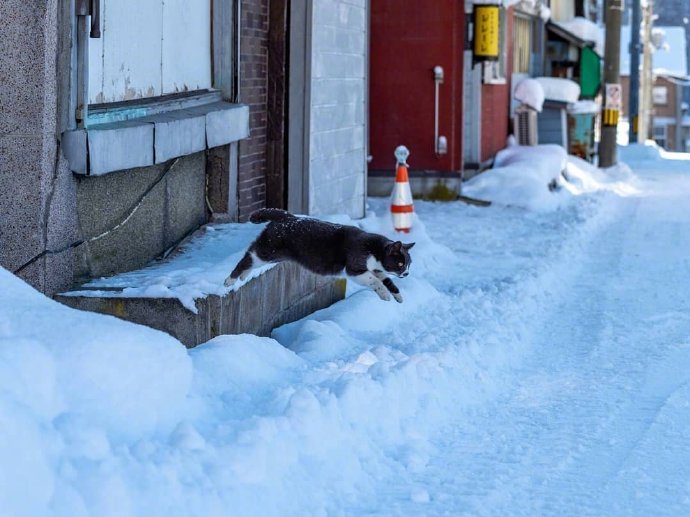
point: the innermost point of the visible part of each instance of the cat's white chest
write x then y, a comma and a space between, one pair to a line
373, 264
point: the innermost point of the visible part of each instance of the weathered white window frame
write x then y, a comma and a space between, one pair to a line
660, 95
115, 136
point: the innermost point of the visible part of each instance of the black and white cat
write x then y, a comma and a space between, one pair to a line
326, 249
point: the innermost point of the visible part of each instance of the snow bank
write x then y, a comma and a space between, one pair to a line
544, 178
521, 176
649, 156
102, 417
73, 385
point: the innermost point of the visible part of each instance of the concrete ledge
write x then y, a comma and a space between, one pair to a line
138, 142
280, 295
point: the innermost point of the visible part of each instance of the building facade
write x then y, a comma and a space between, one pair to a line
125, 127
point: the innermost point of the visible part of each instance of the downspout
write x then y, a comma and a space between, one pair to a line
238, 53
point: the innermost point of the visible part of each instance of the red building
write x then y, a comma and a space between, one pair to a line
483, 49
408, 40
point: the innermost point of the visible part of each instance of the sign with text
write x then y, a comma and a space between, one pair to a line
486, 32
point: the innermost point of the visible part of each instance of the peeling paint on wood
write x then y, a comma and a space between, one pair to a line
150, 49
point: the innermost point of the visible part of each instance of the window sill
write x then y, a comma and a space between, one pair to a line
110, 147
498, 81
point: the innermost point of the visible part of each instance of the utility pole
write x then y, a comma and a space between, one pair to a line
612, 104
634, 99
678, 141
647, 78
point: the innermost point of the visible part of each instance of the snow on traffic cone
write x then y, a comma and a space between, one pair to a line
401, 199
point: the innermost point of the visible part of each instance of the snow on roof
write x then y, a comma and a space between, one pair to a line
586, 30
558, 89
669, 60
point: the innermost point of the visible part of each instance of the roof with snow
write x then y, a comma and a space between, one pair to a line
669, 60
585, 31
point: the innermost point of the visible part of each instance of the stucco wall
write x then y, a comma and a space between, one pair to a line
338, 107
37, 191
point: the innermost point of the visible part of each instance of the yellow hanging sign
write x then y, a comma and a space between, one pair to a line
486, 32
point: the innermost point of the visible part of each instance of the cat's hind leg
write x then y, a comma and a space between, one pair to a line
390, 285
242, 269
368, 279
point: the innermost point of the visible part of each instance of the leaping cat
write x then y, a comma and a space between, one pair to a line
326, 249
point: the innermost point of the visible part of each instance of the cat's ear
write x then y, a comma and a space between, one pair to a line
409, 246
396, 246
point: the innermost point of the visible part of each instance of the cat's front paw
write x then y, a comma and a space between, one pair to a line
384, 294
230, 281
398, 297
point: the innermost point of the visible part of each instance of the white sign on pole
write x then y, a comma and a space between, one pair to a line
614, 97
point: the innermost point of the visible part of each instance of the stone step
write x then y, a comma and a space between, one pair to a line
184, 295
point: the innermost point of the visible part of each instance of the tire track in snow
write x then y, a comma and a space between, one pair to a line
585, 410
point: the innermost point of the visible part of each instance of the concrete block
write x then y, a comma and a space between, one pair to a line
27, 67
251, 309
21, 203
117, 236
130, 217
35, 274
327, 91
178, 136
250, 315
227, 124
62, 208
185, 206
75, 149
59, 269
120, 146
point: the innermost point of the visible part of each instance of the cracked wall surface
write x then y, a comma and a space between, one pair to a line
37, 191
48, 216
129, 217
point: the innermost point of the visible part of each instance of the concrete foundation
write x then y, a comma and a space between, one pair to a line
433, 185
282, 294
127, 218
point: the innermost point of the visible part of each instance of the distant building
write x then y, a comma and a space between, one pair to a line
670, 118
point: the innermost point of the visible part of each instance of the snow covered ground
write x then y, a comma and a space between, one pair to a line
540, 365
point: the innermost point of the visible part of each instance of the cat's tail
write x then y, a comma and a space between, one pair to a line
265, 215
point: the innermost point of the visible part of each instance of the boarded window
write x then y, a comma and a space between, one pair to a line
150, 48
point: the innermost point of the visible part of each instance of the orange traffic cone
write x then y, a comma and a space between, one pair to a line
401, 199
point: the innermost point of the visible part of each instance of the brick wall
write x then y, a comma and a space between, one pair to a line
253, 91
496, 103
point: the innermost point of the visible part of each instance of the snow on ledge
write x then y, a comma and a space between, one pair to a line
196, 271
558, 89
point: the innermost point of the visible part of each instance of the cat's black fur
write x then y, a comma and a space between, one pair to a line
326, 249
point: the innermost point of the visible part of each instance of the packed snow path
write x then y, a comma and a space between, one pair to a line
596, 418
539, 365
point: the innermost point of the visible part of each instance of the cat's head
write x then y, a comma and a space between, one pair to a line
397, 258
